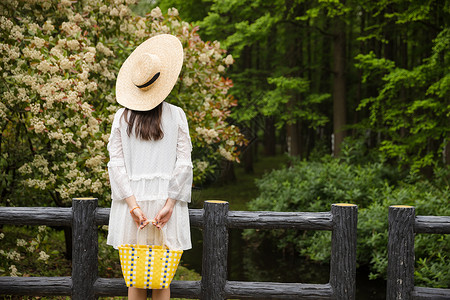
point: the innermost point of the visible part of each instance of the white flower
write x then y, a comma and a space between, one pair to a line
56, 51
66, 2
14, 272
140, 33
156, 13
31, 249
2, 235
212, 134
5, 23
89, 57
25, 169
102, 48
32, 27
42, 228
91, 86
38, 125
114, 12
123, 11
230, 142
228, 60
204, 58
227, 155
43, 256
216, 113
73, 44
65, 64
221, 68
202, 165
78, 18
172, 12
48, 26
32, 53
188, 81
216, 44
35, 108
21, 243
13, 255
103, 9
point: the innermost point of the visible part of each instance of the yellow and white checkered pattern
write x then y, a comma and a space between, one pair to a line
148, 267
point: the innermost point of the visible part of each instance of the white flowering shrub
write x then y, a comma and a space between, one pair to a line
34, 250
58, 65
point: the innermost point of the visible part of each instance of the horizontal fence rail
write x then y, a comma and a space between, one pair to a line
215, 220
403, 224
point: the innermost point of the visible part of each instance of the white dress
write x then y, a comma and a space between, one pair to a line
152, 171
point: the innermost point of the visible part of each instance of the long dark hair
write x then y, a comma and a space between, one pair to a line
147, 124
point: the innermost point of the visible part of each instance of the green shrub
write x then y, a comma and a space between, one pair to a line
314, 186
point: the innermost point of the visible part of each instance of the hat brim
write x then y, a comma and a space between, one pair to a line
170, 52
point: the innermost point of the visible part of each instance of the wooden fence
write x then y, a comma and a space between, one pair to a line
214, 219
403, 224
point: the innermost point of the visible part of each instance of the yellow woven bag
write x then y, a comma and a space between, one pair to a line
148, 267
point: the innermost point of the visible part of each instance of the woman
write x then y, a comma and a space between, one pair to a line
150, 164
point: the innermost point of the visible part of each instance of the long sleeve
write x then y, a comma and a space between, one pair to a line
120, 184
180, 184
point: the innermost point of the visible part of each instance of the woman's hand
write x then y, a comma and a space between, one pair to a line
136, 212
165, 213
139, 218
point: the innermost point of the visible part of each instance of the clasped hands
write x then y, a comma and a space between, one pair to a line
161, 218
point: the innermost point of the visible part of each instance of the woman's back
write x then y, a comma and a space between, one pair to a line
150, 164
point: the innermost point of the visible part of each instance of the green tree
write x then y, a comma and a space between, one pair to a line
412, 106
326, 44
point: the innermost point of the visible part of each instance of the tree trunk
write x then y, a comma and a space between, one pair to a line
447, 152
269, 136
248, 158
339, 105
227, 175
294, 139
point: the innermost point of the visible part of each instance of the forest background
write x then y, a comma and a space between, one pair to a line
356, 92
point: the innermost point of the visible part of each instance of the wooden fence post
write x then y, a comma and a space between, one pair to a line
85, 248
400, 272
343, 251
215, 250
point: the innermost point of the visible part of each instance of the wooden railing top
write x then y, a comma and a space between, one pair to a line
236, 219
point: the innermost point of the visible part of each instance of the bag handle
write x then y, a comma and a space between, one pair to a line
138, 233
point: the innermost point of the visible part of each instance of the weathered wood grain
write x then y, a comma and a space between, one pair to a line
275, 290
36, 286
185, 289
400, 272
432, 224
273, 220
422, 293
343, 251
85, 249
51, 216
116, 287
196, 217
102, 216
215, 250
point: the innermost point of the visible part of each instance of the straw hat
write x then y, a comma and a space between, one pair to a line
149, 74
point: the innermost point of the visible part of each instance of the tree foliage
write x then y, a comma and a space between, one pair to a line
59, 61
316, 185
396, 70
412, 108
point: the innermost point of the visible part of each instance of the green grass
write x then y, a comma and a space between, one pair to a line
244, 189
